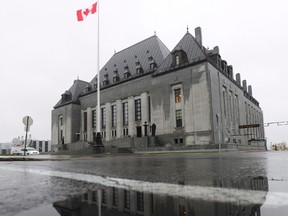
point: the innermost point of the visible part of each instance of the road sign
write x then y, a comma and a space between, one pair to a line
27, 120
249, 126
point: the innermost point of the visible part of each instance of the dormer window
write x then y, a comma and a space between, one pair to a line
67, 96
153, 65
95, 84
116, 77
106, 80
127, 73
139, 69
179, 57
88, 88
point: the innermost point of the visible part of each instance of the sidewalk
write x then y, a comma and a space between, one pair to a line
33, 157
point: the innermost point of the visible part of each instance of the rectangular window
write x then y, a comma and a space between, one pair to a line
178, 95
46, 146
61, 120
34, 144
140, 201
125, 131
125, 113
103, 119
115, 196
149, 108
114, 117
94, 196
85, 121
40, 146
114, 133
104, 196
177, 60
178, 118
224, 101
93, 118
127, 199
138, 110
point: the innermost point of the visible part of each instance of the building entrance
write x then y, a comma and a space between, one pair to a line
139, 131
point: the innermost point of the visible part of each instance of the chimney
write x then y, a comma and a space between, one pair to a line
244, 83
216, 50
198, 36
230, 72
238, 79
224, 66
250, 90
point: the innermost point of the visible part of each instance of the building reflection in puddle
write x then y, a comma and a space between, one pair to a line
224, 199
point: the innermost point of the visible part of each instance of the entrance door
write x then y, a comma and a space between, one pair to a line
139, 131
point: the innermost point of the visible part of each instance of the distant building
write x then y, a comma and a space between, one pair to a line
5, 148
150, 96
43, 146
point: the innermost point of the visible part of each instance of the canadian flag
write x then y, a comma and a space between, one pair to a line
83, 13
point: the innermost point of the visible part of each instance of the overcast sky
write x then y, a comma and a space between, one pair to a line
43, 49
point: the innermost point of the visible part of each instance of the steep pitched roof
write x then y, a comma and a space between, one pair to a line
151, 47
190, 46
72, 95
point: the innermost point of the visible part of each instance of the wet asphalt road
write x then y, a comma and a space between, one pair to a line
31, 187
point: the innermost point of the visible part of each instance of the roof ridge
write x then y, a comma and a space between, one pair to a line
136, 44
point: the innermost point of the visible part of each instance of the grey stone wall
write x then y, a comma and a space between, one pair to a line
196, 108
71, 123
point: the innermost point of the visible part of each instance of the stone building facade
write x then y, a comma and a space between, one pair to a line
153, 97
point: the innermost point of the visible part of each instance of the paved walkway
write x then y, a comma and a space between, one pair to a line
33, 157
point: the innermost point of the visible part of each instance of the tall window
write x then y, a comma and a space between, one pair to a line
46, 146
224, 101
114, 117
104, 196
61, 120
177, 59
125, 113
127, 199
178, 95
178, 118
140, 201
115, 196
138, 110
93, 118
103, 119
85, 121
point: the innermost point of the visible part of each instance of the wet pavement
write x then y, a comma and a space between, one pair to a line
221, 184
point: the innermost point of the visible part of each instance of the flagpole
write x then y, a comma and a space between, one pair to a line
98, 134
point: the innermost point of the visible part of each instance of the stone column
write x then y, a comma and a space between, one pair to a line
119, 116
131, 116
108, 121
82, 125
89, 125
144, 111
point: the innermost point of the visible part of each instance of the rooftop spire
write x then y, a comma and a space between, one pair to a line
187, 29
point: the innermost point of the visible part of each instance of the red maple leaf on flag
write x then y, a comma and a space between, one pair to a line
83, 13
